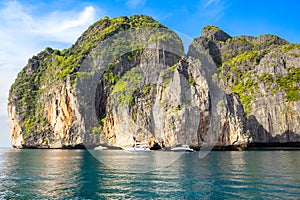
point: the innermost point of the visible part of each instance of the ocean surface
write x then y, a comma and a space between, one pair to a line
80, 174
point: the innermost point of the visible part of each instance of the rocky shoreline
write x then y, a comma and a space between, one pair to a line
291, 146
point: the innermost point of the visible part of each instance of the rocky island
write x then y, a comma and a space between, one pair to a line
128, 80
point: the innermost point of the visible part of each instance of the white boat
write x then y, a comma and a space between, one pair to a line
100, 148
137, 148
183, 148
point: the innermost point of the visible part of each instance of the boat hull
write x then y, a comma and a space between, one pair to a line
183, 148
137, 150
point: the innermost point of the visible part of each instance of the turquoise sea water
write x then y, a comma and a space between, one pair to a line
76, 174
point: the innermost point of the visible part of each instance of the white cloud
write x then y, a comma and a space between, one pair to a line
213, 9
23, 34
59, 26
133, 4
64, 26
211, 2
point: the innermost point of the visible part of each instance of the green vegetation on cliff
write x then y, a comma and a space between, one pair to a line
30, 84
239, 60
289, 83
70, 60
126, 86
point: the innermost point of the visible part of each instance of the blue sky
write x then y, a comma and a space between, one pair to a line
28, 26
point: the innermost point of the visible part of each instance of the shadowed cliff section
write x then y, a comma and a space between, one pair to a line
265, 141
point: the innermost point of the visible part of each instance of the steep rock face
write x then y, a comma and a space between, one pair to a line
274, 116
44, 116
173, 107
265, 73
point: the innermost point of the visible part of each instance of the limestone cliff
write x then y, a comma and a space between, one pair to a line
264, 72
127, 80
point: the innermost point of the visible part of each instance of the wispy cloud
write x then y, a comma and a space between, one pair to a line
23, 34
213, 9
208, 3
134, 4
64, 26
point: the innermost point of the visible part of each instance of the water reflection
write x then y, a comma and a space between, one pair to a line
136, 162
36, 173
241, 175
